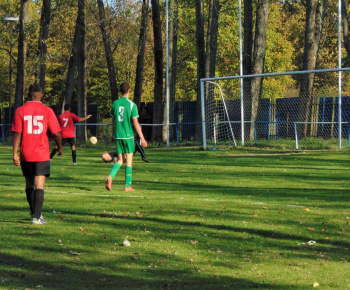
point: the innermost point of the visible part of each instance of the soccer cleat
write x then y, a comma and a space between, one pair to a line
146, 160
43, 222
74, 163
108, 183
41, 217
128, 189
39, 221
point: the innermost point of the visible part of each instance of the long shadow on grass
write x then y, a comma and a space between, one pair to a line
296, 194
266, 234
19, 272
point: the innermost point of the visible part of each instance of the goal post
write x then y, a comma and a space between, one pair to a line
308, 106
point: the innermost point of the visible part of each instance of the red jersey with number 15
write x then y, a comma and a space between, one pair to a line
67, 120
33, 121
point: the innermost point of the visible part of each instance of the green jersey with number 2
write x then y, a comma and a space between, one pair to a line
123, 111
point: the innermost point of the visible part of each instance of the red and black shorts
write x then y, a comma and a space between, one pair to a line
31, 169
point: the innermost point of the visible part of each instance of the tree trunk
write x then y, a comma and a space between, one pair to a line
81, 67
200, 51
42, 45
247, 60
141, 53
315, 13
71, 69
346, 35
110, 63
158, 79
22, 52
172, 58
262, 16
174, 26
212, 38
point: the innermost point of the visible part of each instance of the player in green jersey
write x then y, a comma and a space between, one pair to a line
124, 113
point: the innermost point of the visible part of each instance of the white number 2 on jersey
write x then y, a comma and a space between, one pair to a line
34, 121
121, 114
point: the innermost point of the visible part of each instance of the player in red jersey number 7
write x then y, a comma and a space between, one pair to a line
67, 121
31, 124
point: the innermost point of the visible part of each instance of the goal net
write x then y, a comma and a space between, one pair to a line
294, 110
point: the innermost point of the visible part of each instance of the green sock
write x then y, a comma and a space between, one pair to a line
114, 169
128, 176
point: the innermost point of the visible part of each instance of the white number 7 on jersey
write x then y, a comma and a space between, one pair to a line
65, 121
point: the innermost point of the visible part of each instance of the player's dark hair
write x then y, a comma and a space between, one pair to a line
34, 88
66, 107
124, 88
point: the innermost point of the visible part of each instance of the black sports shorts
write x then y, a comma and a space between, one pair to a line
70, 141
30, 169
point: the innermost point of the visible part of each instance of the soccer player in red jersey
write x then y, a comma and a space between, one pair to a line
67, 121
30, 125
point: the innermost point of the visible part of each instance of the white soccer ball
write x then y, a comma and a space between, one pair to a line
93, 140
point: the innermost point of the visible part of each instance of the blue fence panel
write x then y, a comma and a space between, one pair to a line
286, 115
235, 116
188, 111
345, 116
262, 127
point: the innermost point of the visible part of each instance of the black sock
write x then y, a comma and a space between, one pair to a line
30, 198
53, 153
39, 201
139, 148
74, 156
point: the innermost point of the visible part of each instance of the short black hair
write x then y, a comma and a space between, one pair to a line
66, 107
124, 88
35, 88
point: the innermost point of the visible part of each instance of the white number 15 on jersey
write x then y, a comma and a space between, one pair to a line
34, 121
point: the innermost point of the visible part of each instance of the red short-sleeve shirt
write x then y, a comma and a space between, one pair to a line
33, 121
67, 120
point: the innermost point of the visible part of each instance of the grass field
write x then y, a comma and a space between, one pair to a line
198, 220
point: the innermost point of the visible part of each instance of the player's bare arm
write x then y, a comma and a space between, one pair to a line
58, 140
85, 118
139, 132
16, 142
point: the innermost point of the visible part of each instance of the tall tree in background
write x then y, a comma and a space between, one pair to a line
81, 67
158, 78
258, 60
72, 65
346, 34
200, 53
109, 57
248, 24
42, 43
141, 53
22, 52
212, 38
315, 13
172, 58
206, 52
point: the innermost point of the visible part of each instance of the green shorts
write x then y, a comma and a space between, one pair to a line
125, 146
